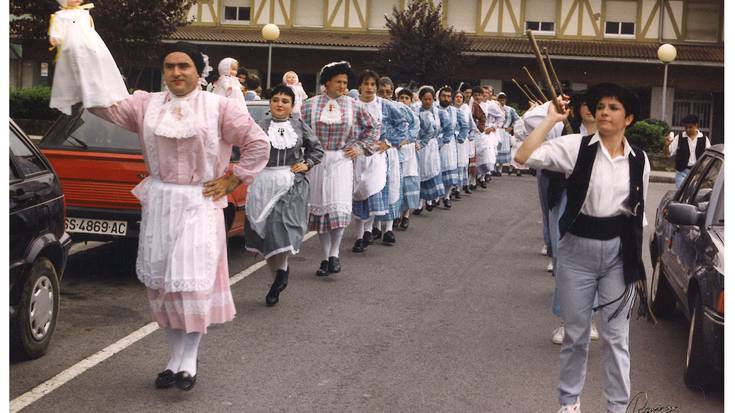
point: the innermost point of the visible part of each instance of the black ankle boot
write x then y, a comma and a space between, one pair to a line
358, 246
334, 265
323, 269
280, 284
367, 239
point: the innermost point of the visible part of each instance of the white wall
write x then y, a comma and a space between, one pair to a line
378, 10
461, 15
309, 13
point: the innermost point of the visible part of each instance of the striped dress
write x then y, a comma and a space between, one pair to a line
411, 183
394, 129
432, 188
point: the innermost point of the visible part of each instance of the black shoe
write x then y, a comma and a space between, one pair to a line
367, 239
396, 222
418, 211
457, 196
334, 266
185, 381
429, 205
389, 238
466, 189
358, 246
518, 173
280, 284
404, 223
483, 184
377, 234
323, 269
447, 204
473, 187
166, 379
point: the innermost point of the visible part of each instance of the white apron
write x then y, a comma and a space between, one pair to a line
449, 156
410, 160
463, 154
269, 186
331, 185
370, 175
429, 161
394, 180
178, 248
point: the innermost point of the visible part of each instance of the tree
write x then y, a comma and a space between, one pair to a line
420, 47
132, 29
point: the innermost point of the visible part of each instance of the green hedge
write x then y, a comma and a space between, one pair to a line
32, 103
648, 134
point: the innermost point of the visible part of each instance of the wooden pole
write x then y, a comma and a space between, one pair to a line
553, 72
538, 89
530, 92
542, 68
524, 92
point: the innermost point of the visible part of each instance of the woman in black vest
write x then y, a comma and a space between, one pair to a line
687, 147
601, 234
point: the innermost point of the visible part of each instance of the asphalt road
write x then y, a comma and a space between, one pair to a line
455, 317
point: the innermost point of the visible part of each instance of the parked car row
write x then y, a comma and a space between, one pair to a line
75, 188
688, 252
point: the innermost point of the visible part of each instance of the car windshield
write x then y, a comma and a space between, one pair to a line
90, 131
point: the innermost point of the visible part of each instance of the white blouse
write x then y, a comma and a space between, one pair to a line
610, 181
674, 145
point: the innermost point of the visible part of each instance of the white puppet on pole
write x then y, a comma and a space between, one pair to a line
227, 84
85, 70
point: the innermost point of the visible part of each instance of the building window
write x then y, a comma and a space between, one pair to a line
620, 28
620, 18
703, 22
236, 11
541, 16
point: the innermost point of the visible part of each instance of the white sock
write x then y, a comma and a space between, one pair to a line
175, 339
336, 237
370, 223
278, 262
326, 240
191, 349
388, 226
359, 227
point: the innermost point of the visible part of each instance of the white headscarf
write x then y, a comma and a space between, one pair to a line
228, 85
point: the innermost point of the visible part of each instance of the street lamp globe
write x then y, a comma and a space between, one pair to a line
270, 32
666, 53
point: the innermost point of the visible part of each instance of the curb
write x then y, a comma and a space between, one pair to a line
661, 179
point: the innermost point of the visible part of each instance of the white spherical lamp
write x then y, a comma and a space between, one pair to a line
667, 53
270, 32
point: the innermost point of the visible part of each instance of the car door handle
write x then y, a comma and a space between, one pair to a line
19, 195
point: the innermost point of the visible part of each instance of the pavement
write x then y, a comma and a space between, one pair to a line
455, 317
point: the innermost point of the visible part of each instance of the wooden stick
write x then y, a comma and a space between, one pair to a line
553, 72
542, 67
538, 89
524, 92
536, 99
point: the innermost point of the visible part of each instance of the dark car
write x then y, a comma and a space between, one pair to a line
687, 251
99, 163
38, 246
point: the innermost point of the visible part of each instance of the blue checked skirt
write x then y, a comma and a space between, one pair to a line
411, 193
432, 189
450, 178
374, 205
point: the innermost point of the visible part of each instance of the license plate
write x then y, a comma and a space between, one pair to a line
96, 226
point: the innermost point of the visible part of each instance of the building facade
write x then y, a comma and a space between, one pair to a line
590, 41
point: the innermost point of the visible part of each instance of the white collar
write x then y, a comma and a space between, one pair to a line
627, 149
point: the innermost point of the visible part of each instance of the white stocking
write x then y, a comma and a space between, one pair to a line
326, 240
191, 349
175, 339
336, 239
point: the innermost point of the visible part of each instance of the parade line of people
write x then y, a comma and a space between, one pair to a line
373, 157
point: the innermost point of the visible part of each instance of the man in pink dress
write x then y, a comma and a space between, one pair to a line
187, 137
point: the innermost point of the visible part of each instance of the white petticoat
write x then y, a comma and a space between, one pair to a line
394, 180
410, 160
463, 154
429, 161
331, 189
369, 176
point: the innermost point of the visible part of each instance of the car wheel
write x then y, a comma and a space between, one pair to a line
39, 308
663, 301
696, 367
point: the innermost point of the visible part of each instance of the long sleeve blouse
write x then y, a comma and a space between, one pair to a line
359, 130
463, 123
429, 125
448, 119
414, 125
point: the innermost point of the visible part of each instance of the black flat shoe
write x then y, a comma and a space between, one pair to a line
473, 187
389, 238
358, 246
396, 222
377, 234
280, 284
323, 269
483, 184
466, 189
429, 205
418, 211
185, 381
166, 379
404, 223
334, 265
367, 239
447, 204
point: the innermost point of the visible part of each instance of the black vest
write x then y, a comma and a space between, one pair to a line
682, 151
631, 233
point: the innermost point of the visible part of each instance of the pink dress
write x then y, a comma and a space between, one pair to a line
174, 227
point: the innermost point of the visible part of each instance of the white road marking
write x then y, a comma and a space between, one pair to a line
67, 375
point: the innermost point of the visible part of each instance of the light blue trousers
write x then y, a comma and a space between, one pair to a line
586, 267
680, 177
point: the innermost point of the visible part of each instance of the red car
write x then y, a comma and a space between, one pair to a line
99, 163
